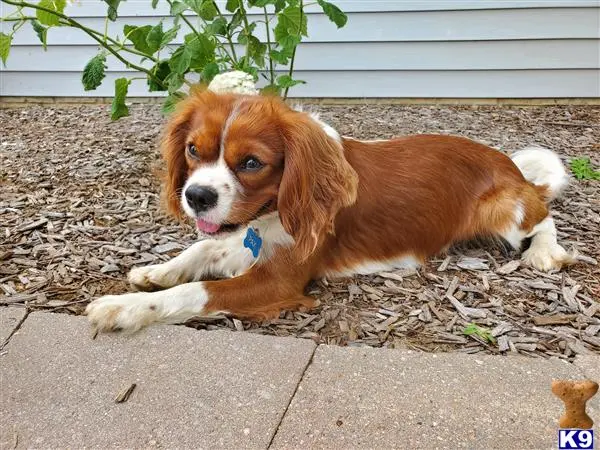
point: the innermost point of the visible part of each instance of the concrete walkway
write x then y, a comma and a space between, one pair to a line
198, 389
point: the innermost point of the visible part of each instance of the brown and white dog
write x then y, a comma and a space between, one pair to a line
287, 200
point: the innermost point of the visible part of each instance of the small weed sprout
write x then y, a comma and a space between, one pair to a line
483, 333
583, 170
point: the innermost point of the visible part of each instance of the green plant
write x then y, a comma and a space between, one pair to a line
583, 170
210, 46
483, 333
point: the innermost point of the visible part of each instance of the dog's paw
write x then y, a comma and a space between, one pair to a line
546, 258
152, 278
127, 312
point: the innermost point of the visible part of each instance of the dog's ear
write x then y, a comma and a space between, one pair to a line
173, 152
317, 182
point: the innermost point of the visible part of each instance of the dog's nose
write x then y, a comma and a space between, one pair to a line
201, 198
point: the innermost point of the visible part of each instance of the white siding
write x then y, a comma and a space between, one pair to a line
393, 48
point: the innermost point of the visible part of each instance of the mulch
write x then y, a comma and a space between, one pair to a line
79, 206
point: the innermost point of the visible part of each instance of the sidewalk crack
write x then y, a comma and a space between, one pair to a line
17, 328
309, 362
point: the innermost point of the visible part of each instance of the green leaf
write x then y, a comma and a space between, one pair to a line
160, 71
119, 108
271, 89
583, 170
279, 5
154, 38
250, 29
154, 3
261, 3
285, 81
171, 101
113, 6
206, 9
280, 57
47, 18
180, 60
232, 5
210, 71
41, 31
483, 333
236, 20
217, 27
256, 50
288, 44
178, 7
290, 21
246, 67
93, 72
5, 41
138, 35
169, 36
335, 14
174, 81
202, 51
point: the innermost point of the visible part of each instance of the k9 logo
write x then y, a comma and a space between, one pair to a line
575, 439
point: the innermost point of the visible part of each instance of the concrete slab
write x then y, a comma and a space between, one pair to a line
377, 398
590, 365
10, 318
194, 389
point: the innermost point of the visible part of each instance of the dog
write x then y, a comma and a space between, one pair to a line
285, 200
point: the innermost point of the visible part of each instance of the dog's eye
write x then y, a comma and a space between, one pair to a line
191, 149
251, 164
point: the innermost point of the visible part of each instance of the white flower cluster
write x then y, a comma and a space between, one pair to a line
236, 82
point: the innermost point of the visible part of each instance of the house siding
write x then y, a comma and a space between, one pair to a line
414, 49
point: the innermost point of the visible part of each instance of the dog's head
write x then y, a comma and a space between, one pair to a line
233, 158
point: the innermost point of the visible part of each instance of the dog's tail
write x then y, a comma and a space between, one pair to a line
543, 168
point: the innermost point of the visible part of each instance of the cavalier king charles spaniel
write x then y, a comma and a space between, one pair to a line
284, 199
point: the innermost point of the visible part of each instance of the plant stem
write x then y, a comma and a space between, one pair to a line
195, 31
119, 45
221, 46
108, 38
16, 19
185, 19
234, 57
291, 71
271, 67
246, 28
105, 28
90, 33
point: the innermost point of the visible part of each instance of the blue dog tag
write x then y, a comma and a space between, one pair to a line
253, 241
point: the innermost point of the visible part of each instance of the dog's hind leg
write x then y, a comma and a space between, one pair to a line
531, 219
545, 253
546, 178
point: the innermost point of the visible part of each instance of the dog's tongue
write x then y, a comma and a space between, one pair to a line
207, 227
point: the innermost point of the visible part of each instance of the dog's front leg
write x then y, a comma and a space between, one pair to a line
259, 293
130, 312
209, 258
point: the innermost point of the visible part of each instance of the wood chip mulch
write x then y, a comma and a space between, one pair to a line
79, 206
